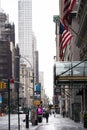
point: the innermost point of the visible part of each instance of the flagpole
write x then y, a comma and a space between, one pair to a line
77, 35
74, 31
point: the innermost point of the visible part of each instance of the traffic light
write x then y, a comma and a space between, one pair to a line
3, 85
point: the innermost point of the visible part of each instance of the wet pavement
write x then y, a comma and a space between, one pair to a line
54, 123
59, 123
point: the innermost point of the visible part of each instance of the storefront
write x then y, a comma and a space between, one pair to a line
71, 77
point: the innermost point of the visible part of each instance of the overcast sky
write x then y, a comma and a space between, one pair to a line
44, 30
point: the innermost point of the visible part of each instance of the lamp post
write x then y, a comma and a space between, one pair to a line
18, 108
32, 82
8, 84
32, 68
17, 84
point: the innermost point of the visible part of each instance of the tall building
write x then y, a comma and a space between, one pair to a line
7, 40
25, 29
73, 96
7, 43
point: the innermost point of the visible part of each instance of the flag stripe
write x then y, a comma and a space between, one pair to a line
72, 5
66, 41
65, 37
68, 6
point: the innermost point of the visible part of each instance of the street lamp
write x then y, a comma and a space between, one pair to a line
32, 68
32, 73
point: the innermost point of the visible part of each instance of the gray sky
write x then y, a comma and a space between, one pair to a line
44, 29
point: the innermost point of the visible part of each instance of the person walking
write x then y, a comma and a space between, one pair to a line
54, 113
47, 116
63, 113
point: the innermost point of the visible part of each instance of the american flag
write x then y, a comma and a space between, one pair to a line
68, 7
65, 36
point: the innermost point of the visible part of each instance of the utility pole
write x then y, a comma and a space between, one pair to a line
33, 71
33, 87
8, 83
18, 108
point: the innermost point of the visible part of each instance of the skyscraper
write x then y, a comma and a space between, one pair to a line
25, 29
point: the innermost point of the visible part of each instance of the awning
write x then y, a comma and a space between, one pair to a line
70, 72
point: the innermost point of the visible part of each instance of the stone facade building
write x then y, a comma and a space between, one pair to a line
75, 99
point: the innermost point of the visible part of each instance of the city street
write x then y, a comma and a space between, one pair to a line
55, 123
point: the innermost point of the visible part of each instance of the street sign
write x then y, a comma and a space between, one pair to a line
38, 87
36, 102
37, 92
0, 99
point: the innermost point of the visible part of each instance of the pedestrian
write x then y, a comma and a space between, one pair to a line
39, 113
54, 113
63, 113
33, 116
47, 116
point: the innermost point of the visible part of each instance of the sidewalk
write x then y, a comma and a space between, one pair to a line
55, 123
69, 121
